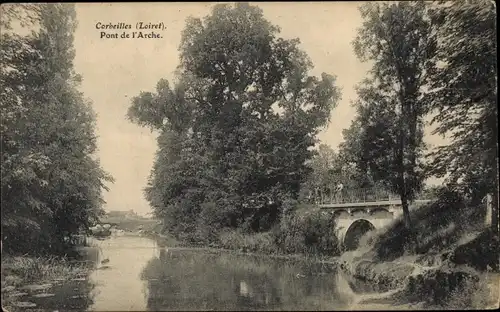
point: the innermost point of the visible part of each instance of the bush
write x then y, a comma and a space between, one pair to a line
471, 295
446, 288
480, 253
29, 269
310, 233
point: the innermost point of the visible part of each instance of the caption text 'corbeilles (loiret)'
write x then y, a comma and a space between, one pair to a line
142, 30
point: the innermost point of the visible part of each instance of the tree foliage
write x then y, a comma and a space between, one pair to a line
429, 58
330, 169
464, 95
396, 38
51, 183
237, 126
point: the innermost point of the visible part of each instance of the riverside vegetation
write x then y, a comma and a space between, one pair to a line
51, 181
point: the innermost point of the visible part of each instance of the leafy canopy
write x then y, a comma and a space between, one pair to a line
237, 126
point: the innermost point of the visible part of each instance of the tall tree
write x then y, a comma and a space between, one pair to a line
464, 97
396, 38
51, 181
234, 72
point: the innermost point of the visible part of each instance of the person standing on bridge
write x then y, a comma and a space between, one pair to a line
316, 195
338, 192
340, 187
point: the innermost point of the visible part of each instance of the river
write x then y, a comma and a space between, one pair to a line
141, 276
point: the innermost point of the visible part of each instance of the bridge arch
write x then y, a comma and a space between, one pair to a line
354, 233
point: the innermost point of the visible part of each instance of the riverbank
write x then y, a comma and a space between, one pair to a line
23, 273
436, 287
249, 249
455, 264
305, 234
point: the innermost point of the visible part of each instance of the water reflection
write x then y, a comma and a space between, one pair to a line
194, 280
119, 287
70, 295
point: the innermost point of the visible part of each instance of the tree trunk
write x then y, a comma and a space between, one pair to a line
494, 200
406, 212
494, 213
494, 178
412, 235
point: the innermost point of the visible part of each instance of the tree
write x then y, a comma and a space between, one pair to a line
351, 153
397, 38
51, 182
329, 169
321, 178
464, 97
240, 158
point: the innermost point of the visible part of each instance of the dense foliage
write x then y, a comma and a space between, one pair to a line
397, 39
51, 182
307, 233
464, 98
330, 169
311, 233
429, 60
236, 128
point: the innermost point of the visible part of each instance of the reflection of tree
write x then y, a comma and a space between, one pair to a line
194, 280
85, 299
74, 295
160, 287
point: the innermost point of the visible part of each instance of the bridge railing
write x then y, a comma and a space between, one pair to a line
358, 196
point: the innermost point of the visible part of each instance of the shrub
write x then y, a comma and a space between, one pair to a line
309, 233
471, 295
447, 288
480, 253
30, 269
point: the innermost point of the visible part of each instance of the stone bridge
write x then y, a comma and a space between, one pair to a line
360, 211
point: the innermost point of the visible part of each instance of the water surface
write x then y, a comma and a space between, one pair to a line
141, 276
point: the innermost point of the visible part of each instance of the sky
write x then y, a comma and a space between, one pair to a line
115, 70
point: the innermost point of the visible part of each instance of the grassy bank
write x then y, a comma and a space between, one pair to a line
308, 234
450, 267
22, 271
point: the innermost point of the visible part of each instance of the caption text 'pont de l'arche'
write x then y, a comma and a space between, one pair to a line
142, 30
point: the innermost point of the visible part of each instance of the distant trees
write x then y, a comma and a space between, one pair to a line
330, 169
391, 105
351, 152
51, 183
237, 126
321, 178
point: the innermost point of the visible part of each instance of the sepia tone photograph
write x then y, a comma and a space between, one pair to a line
233, 156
